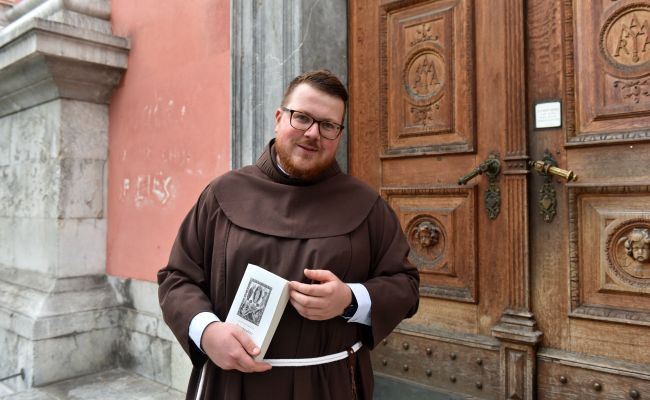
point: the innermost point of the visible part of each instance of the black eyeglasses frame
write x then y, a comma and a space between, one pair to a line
314, 121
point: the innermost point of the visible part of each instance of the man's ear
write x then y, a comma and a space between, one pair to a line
278, 115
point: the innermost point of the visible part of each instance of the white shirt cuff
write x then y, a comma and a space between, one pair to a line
198, 325
362, 316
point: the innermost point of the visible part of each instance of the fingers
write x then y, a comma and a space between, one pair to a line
316, 314
246, 342
326, 286
319, 301
306, 300
320, 275
248, 364
301, 287
245, 359
229, 347
242, 361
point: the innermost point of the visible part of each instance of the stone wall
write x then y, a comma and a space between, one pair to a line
121, 326
52, 168
59, 317
146, 344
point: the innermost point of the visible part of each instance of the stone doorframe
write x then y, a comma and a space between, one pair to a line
272, 42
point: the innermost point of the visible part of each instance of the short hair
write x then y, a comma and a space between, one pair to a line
323, 80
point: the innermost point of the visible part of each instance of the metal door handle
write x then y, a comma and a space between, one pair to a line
491, 168
547, 167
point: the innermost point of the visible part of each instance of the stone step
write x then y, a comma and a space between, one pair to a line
113, 384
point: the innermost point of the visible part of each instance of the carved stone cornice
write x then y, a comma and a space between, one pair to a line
43, 60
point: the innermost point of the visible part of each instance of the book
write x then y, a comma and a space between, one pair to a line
258, 305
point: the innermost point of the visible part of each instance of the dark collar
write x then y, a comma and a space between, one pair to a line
267, 163
263, 199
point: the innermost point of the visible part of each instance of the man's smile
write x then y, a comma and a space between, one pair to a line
308, 147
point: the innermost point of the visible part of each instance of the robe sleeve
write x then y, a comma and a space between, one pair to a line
393, 284
184, 284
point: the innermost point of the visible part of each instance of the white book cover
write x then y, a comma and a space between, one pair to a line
258, 305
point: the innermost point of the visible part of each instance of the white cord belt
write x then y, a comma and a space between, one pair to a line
291, 362
303, 362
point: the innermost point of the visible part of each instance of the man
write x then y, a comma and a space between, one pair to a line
295, 214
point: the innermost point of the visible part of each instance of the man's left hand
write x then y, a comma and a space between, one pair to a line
320, 301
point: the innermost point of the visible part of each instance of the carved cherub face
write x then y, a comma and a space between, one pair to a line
637, 245
427, 234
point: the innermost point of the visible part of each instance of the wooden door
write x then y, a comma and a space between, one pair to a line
590, 295
549, 297
437, 88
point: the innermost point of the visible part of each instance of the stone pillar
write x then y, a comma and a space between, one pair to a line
272, 42
59, 317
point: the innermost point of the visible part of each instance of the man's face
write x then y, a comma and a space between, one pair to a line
306, 154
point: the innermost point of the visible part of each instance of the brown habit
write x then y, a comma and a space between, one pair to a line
258, 215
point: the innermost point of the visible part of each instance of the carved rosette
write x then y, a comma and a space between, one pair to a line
628, 252
427, 239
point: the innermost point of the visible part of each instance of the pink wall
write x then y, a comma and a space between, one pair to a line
169, 125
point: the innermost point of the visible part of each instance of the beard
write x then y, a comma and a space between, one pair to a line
283, 152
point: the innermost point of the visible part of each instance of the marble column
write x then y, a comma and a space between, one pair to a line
272, 42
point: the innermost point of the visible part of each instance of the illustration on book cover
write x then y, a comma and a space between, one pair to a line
254, 302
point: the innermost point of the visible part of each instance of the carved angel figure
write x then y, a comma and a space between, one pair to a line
635, 259
427, 234
637, 245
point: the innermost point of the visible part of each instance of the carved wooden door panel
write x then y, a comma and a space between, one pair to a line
591, 261
439, 86
437, 91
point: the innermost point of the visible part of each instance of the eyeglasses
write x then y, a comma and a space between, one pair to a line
301, 121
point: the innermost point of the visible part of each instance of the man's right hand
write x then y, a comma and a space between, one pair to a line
230, 347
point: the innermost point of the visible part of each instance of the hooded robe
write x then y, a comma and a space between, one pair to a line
261, 216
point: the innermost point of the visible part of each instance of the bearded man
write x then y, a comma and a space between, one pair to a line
296, 214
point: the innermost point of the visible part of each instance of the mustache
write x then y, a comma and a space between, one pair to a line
312, 144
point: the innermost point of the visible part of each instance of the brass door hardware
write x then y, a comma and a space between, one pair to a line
548, 168
491, 168
545, 168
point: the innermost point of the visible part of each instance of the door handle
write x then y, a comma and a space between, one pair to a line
491, 168
548, 168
